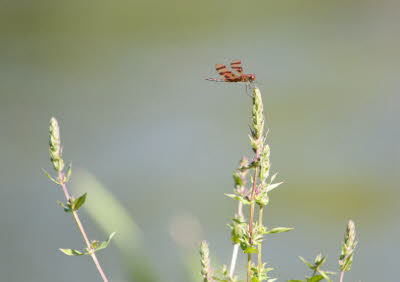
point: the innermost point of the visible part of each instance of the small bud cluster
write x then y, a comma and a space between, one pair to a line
262, 273
318, 273
348, 247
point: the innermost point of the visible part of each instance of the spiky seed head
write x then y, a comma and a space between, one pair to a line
205, 262
55, 145
348, 247
319, 260
264, 164
257, 126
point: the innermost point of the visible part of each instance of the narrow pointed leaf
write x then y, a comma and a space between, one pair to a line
273, 186
273, 177
278, 230
71, 252
239, 198
50, 177
104, 244
307, 263
324, 275
77, 203
315, 278
69, 172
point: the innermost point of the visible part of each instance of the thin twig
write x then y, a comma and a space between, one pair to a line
61, 177
260, 217
341, 276
253, 194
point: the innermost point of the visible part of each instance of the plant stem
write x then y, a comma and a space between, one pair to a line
236, 246
233, 260
253, 193
314, 272
81, 229
248, 267
341, 276
260, 217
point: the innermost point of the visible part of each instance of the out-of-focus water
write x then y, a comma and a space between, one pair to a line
126, 81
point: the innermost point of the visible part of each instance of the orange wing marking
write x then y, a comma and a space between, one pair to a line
223, 71
237, 66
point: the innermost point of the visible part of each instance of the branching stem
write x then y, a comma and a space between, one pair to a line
61, 178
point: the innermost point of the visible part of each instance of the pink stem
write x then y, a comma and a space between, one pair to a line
81, 229
341, 276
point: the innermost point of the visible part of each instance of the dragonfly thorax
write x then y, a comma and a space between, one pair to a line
251, 77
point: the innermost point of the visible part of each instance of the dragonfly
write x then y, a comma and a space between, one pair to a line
229, 76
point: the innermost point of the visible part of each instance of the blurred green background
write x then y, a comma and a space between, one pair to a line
155, 144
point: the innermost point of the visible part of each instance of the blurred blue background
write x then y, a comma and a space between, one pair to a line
155, 145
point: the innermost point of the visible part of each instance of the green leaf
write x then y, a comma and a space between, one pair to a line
239, 198
104, 244
250, 250
77, 203
50, 177
278, 230
69, 172
310, 265
315, 278
71, 252
238, 180
273, 177
273, 186
324, 275
237, 220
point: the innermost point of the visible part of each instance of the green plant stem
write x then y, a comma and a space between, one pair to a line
78, 222
236, 246
253, 193
341, 276
260, 217
315, 272
248, 267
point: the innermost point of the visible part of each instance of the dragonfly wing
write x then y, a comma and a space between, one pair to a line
237, 66
223, 71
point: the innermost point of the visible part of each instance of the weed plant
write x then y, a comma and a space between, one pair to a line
252, 185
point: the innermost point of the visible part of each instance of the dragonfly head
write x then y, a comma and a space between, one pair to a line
252, 77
